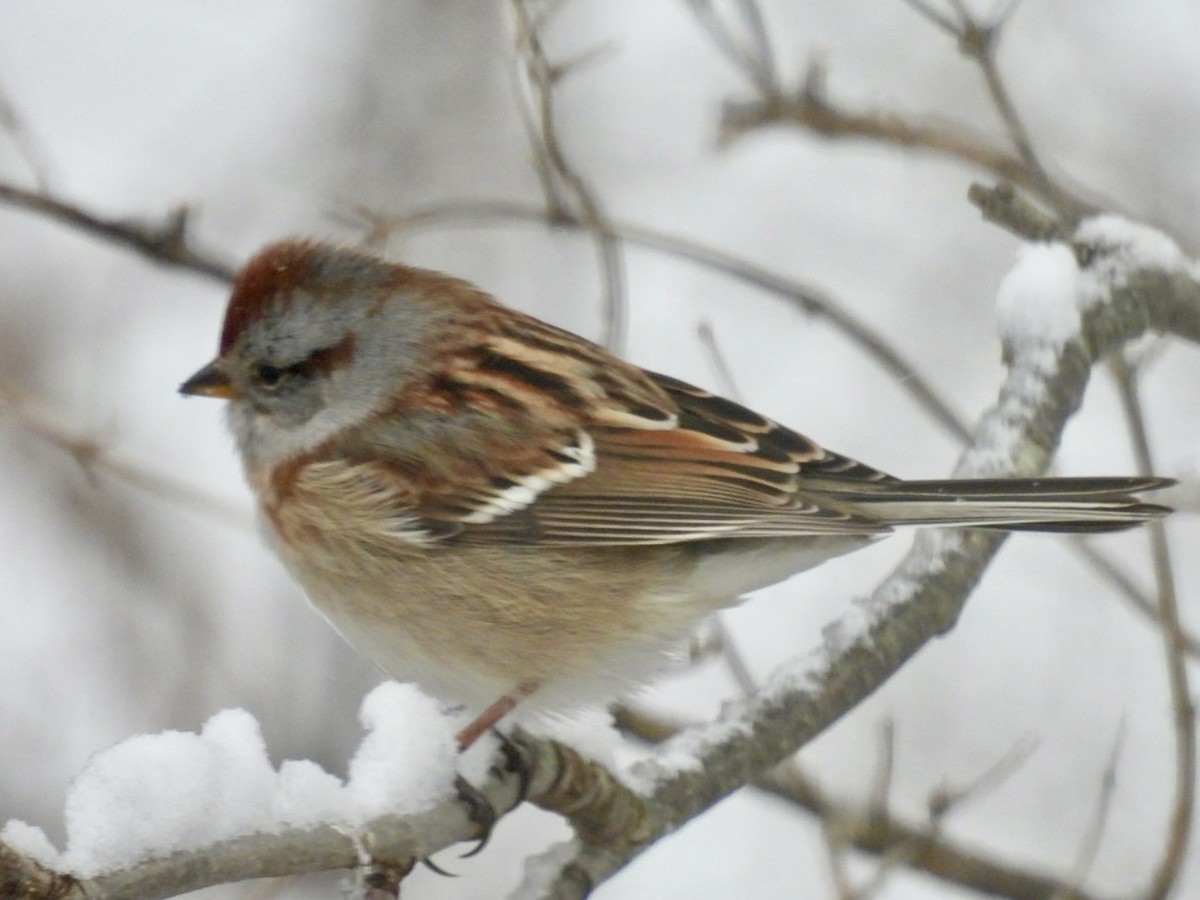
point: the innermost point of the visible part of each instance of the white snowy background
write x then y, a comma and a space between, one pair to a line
125, 613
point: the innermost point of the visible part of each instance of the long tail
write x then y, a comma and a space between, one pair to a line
1010, 504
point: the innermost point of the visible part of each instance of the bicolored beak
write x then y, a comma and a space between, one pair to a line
211, 381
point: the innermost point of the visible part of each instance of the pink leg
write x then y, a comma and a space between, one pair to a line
493, 714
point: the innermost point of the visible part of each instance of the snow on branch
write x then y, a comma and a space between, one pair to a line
141, 808
1058, 319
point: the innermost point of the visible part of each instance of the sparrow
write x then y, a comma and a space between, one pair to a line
504, 512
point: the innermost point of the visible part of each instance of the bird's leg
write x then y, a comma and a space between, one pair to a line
482, 813
492, 715
514, 760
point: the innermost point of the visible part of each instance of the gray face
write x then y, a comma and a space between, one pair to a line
288, 370
281, 366
308, 367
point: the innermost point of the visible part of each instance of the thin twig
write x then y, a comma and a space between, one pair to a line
1183, 708
1095, 833
1127, 589
760, 41
92, 456
540, 76
878, 832
880, 795
950, 797
166, 243
810, 108
880, 805
731, 651
944, 800
1002, 205
836, 845
753, 57
716, 358
978, 40
936, 16
27, 145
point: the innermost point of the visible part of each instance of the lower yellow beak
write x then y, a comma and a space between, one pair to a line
211, 381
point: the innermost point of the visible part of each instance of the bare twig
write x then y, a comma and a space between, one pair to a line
880, 796
936, 16
752, 56
1095, 833
837, 831
1183, 708
716, 357
811, 109
540, 76
27, 145
925, 850
731, 652
836, 844
1126, 588
942, 801
978, 40
92, 456
879, 832
949, 797
1003, 206
165, 243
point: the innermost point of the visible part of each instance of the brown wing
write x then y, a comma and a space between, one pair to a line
535, 435
617, 455
721, 471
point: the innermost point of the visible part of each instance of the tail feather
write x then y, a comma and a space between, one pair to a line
1011, 504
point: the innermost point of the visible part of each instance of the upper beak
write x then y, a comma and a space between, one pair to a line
211, 381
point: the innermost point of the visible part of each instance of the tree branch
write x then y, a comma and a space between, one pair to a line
92, 456
393, 842
166, 243
1179, 826
875, 830
22, 878
924, 595
809, 107
540, 77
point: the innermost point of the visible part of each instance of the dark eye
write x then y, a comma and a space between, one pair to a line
269, 376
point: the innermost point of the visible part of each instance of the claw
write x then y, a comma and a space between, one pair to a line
428, 863
482, 813
514, 761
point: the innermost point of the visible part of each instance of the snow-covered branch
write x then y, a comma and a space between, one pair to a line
1134, 282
